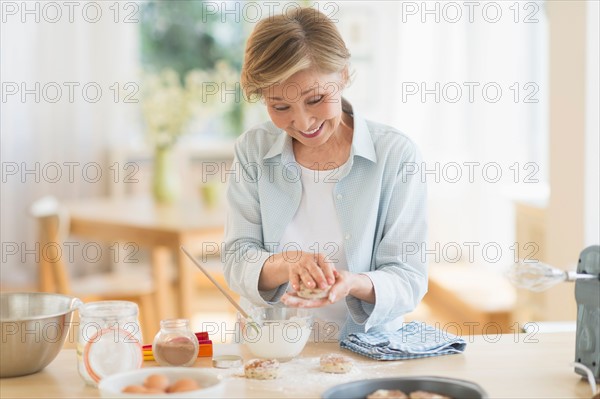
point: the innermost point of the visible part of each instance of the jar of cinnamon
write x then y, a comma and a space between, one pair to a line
175, 344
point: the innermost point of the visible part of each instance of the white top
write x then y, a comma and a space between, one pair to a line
316, 228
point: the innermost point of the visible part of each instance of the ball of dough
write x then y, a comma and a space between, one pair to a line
336, 363
312, 293
387, 393
262, 369
427, 395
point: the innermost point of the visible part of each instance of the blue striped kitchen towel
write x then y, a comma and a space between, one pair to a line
414, 340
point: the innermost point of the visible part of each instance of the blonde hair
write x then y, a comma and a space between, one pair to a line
281, 45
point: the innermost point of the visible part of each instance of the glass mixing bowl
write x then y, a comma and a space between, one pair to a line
276, 332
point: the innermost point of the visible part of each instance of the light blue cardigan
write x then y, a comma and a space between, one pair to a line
381, 205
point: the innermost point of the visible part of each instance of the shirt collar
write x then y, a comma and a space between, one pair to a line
362, 142
283, 141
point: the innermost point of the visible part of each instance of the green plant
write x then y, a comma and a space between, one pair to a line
183, 36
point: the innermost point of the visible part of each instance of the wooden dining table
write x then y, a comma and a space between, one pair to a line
505, 366
162, 228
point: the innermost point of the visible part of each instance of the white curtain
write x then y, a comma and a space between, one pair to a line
395, 49
433, 70
61, 137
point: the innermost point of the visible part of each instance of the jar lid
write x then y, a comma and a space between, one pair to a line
110, 351
109, 309
226, 361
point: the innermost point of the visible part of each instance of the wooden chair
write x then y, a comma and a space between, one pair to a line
54, 276
471, 298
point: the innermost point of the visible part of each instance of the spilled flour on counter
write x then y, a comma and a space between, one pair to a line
301, 377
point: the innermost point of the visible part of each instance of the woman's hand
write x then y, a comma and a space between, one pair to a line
346, 283
295, 266
338, 291
294, 301
313, 270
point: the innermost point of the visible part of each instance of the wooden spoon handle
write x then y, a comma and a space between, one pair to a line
223, 291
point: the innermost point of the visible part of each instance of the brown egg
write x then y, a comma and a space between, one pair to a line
134, 389
183, 385
151, 391
157, 382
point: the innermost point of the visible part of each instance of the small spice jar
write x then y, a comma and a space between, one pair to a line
175, 344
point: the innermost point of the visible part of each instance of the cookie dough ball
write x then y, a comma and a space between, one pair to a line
427, 395
387, 393
336, 363
312, 293
262, 369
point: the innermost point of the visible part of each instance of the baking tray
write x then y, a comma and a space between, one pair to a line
457, 389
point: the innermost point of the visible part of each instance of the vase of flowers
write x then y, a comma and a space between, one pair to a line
169, 105
166, 186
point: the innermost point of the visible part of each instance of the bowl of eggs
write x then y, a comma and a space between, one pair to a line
276, 332
168, 382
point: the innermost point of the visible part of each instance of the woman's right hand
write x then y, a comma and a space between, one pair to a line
295, 266
313, 270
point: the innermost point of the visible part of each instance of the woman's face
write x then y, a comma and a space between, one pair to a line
308, 106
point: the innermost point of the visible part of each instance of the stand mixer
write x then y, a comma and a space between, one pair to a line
587, 295
537, 277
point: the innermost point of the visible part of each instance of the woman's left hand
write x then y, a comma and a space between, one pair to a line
339, 290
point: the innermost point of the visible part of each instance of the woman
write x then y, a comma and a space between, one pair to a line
323, 197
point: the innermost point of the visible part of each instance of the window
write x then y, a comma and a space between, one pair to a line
190, 35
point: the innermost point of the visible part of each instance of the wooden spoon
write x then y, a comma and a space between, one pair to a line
223, 291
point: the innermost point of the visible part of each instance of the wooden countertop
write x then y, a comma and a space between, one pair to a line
506, 366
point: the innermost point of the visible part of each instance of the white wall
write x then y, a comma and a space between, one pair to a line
58, 138
592, 126
566, 208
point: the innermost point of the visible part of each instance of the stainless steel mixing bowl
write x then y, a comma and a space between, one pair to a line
34, 327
